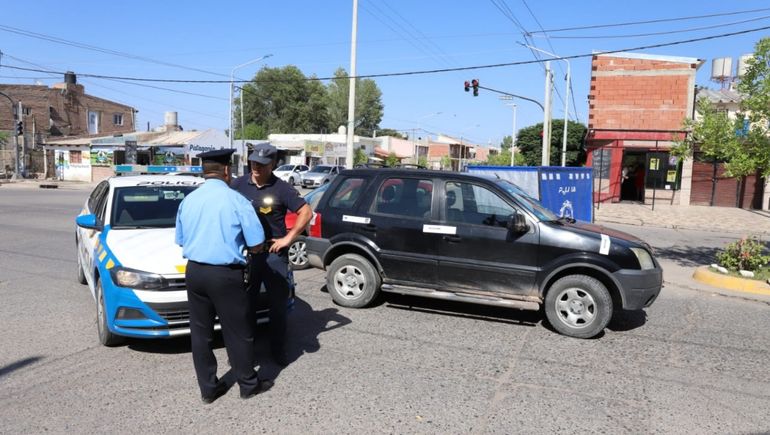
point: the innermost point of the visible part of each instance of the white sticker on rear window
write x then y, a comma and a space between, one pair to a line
604, 247
439, 229
355, 219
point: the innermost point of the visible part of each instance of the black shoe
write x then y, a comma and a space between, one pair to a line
219, 391
263, 386
280, 357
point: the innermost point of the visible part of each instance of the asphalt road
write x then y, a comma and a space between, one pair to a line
692, 363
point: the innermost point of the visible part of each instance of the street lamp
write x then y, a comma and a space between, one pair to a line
232, 88
513, 135
566, 102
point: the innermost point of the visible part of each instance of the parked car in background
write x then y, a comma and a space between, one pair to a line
291, 174
320, 175
298, 249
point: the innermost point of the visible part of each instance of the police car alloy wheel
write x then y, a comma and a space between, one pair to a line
80, 273
298, 254
578, 306
106, 337
352, 281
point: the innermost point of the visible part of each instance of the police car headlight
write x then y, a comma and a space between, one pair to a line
644, 257
137, 279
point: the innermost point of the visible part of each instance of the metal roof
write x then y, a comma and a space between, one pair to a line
722, 96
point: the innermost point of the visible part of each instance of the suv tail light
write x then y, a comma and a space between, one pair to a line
315, 225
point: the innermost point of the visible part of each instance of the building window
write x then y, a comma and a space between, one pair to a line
93, 122
117, 119
76, 157
26, 110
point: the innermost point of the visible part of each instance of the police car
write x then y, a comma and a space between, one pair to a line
127, 256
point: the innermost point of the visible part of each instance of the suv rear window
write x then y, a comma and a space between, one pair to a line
347, 193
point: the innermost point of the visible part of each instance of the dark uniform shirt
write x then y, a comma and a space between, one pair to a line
271, 202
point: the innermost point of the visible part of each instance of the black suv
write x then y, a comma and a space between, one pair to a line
475, 239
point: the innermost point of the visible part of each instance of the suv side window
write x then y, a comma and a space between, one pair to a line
473, 204
347, 193
406, 197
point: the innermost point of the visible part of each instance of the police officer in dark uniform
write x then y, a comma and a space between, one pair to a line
272, 197
214, 225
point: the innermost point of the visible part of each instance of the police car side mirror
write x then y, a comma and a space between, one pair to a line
517, 223
88, 221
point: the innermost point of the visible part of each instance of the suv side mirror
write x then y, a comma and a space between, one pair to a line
88, 221
517, 223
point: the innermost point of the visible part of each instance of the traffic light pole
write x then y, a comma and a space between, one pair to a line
15, 139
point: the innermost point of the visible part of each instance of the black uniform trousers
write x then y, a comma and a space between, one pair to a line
220, 290
272, 270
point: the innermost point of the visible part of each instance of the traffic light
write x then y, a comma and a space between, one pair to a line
19, 128
475, 84
467, 86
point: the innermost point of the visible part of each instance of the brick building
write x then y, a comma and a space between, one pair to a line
60, 111
637, 105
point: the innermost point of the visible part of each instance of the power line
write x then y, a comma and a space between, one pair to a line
661, 20
667, 32
424, 72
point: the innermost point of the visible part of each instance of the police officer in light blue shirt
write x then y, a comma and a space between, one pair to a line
214, 225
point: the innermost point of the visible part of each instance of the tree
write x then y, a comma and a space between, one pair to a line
446, 162
529, 142
422, 161
392, 160
504, 159
506, 143
359, 157
390, 132
252, 131
283, 100
369, 107
755, 89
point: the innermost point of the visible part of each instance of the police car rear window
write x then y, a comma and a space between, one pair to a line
147, 207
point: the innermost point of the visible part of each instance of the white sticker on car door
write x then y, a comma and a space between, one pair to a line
439, 229
604, 247
355, 219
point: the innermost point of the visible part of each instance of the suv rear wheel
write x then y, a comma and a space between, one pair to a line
352, 281
578, 306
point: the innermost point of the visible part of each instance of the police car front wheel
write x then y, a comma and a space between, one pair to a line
80, 273
106, 337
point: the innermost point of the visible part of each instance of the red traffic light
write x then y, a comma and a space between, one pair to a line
467, 86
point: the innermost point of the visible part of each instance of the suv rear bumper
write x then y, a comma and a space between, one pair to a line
639, 288
316, 249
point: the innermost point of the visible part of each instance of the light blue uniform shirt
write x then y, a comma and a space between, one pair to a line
215, 223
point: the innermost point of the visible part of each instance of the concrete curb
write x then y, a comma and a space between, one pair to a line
714, 279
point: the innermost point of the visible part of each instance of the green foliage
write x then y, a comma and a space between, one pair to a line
283, 100
446, 162
506, 143
369, 107
359, 157
392, 160
530, 143
423, 161
504, 159
390, 132
754, 86
744, 254
252, 131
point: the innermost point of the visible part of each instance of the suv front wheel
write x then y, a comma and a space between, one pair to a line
578, 306
352, 281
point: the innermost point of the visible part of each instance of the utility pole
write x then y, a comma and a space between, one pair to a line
20, 169
513, 138
546, 160
352, 92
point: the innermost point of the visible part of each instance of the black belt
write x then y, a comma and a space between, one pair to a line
234, 266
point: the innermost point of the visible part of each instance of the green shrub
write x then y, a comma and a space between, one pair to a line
744, 254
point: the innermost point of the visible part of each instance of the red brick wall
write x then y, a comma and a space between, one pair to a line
438, 150
639, 94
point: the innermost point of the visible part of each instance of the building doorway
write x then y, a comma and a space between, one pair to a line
632, 176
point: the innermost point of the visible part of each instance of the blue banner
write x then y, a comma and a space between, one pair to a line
567, 191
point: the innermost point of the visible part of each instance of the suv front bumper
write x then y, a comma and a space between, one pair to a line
639, 288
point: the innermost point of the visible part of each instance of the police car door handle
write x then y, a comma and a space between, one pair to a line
453, 239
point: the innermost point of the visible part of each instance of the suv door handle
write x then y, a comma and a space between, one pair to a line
369, 227
453, 239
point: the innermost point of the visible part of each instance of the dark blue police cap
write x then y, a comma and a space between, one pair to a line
263, 153
219, 156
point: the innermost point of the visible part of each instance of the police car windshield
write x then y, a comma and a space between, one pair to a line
147, 206
285, 168
531, 204
322, 169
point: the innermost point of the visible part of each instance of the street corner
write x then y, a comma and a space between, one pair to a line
733, 283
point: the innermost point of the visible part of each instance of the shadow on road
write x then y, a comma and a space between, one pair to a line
12, 367
690, 256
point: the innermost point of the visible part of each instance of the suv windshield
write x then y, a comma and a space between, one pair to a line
147, 207
526, 201
285, 168
321, 169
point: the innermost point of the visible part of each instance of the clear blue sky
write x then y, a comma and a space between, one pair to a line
393, 36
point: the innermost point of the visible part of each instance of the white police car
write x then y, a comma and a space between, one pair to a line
128, 257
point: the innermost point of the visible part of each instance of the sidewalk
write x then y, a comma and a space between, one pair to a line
694, 217
51, 184
734, 221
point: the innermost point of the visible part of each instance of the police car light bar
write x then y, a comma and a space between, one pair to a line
157, 169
